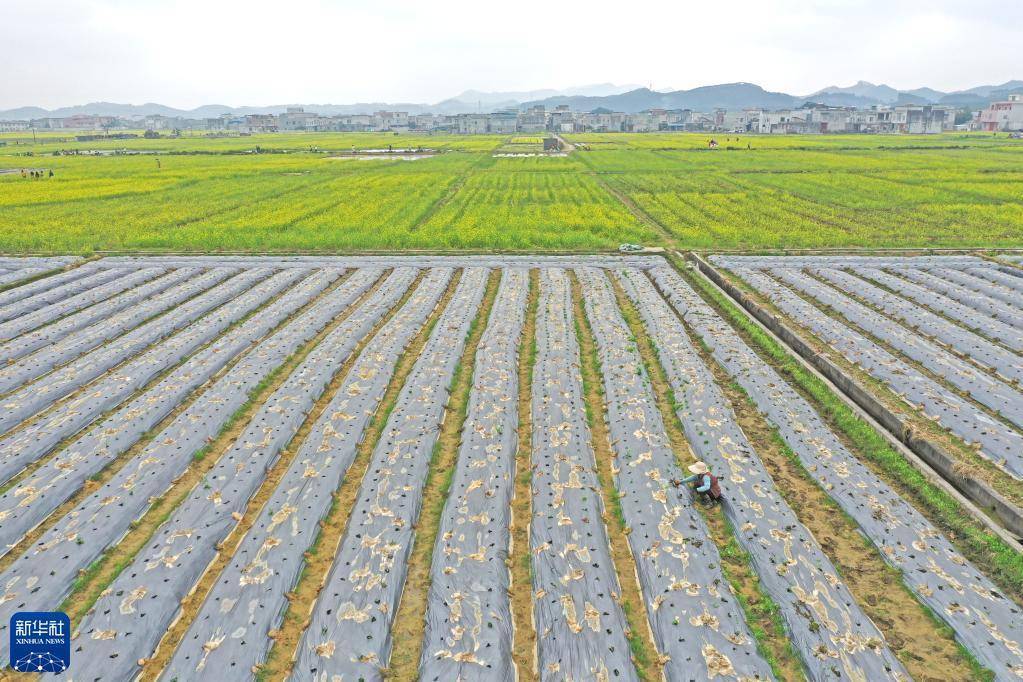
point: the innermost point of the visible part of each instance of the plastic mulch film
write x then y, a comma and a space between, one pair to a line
468, 619
48, 305
967, 377
28, 503
1010, 279
349, 632
979, 302
230, 633
998, 442
70, 336
14, 276
130, 618
15, 375
22, 447
45, 571
982, 324
32, 398
696, 620
995, 291
988, 624
985, 353
829, 630
231, 630
459, 261
898, 262
39, 286
579, 621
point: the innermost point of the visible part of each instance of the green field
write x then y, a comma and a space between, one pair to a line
753, 192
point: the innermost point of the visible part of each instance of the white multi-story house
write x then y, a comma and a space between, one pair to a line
297, 118
1007, 115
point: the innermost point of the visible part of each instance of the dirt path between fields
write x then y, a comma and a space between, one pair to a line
524, 651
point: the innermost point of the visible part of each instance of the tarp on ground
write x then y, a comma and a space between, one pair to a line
579, 621
468, 619
696, 620
830, 632
349, 632
131, 617
987, 623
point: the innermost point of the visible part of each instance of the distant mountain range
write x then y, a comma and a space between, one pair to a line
625, 98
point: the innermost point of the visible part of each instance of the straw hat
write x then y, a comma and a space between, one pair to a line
698, 468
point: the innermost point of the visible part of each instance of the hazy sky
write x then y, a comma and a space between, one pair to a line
259, 52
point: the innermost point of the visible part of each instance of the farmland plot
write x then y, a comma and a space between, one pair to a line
16, 270
175, 441
982, 618
885, 337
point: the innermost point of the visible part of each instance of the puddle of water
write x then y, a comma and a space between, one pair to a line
525, 154
388, 157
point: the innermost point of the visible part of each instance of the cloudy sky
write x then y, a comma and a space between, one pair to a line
259, 52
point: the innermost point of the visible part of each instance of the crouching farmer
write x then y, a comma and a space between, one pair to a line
704, 483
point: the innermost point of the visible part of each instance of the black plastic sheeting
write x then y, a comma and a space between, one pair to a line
981, 324
995, 291
33, 398
580, 625
697, 622
989, 391
468, 619
349, 633
1012, 281
128, 621
998, 442
69, 416
16, 269
977, 348
898, 262
230, 633
18, 373
45, 572
70, 336
460, 261
17, 293
828, 629
979, 302
78, 293
28, 503
988, 624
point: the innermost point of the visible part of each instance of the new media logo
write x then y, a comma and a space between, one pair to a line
40, 642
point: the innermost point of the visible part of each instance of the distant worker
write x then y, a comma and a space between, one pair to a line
157, 163
51, 172
704, 483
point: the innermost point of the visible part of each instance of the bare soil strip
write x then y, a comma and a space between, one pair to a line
320, 556
410, 620
924, 645
644, 651
761, 612
105, 569
519, 556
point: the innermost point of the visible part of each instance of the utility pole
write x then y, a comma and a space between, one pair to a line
33, 136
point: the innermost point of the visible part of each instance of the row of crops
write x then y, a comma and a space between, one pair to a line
177, 430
